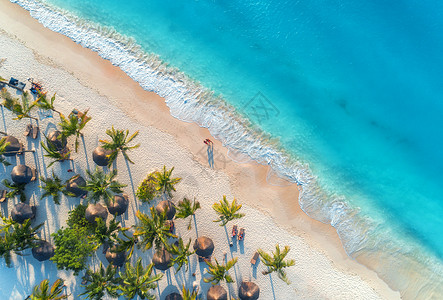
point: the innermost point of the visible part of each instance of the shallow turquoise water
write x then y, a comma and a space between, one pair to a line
354, 89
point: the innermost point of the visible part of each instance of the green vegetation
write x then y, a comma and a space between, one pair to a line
165, 183
127, 244
219, 272
17, 189
16, 237
73, 125
147, 190
153, 231
102, 186
53, 187
72, 248
3, 145
181, 253
104, 234
276, 262
138, 281
44, 292
119, 143
20, 108
43, 102
54, 153
77, 218
185, 209
100, 282
188, 294
227, 212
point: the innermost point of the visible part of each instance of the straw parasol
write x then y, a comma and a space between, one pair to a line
248, 291
174, 296
115, 258
14, 145
101, 156
57, 139
43, 251
166, 207
204, 246
119, 205
22, 174
161, 259
96, 211
75, 185
217, 292
21, 212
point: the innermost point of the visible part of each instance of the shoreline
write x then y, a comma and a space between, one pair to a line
248, 181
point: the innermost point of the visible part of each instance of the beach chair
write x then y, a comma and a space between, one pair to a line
234, 230
21, 85
34, 174
35, 131
241, 234
28, 130
13, 81
254, 258
3, 195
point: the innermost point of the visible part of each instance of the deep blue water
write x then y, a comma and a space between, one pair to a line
353, 88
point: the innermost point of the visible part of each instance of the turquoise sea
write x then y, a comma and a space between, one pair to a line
343, 97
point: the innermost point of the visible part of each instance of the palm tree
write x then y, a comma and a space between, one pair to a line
44, 292
125, 245
276, 262
54, 153
189, 295
106, 234
3, 145
219, 272
119, 142
21, 108
185, 209
181, 252
165, 184
53, 187
152, 230
16, 237
102, 186
17, 189
227, 212
73, 125
43, 102
138, 281
101, 282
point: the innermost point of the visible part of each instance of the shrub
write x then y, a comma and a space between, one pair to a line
147, 190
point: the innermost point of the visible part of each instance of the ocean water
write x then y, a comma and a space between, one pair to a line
342, 97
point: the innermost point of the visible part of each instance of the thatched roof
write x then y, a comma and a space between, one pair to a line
57, 140
22, 174
174, 296
217, 292
167, 207
22, 211
119, 206
100, 156
204, 246
248, 291
115, 258
14, 145
96, 211
75, 184
161, 259
43, 251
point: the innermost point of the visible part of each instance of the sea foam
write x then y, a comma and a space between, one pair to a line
401, 264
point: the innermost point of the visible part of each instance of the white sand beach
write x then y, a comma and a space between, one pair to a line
83, 80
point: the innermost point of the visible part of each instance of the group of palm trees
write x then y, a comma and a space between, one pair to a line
151, 230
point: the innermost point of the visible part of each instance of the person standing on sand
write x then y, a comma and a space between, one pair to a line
210, 151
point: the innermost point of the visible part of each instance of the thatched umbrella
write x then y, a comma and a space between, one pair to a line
56, 139
174, 296
119, 206
101, 156
22, 211
96, 211
248, 291
75, 185
217, 292
161, 259
14, 145
204, 246
22, 174
115, 258
43, 251
166, 207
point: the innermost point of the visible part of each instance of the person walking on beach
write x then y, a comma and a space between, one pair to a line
210, 151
